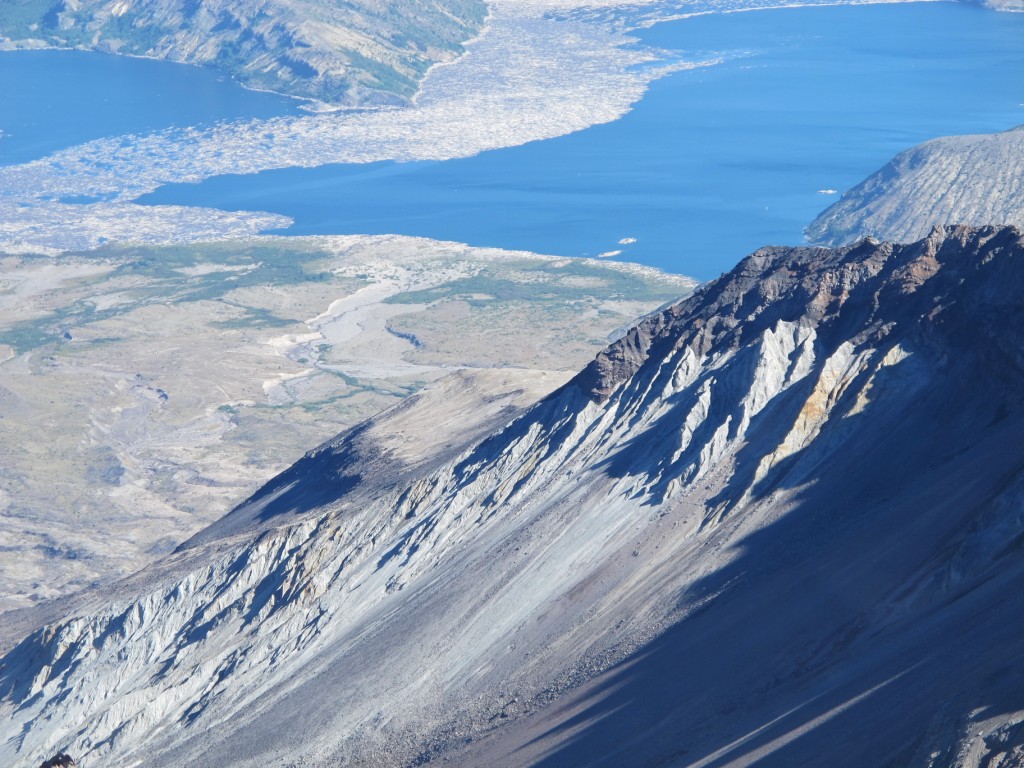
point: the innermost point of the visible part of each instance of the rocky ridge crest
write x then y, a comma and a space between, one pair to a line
793, 492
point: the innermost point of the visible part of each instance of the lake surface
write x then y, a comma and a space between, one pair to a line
711, 164
50, 100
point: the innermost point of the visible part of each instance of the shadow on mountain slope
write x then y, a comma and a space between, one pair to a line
844, 631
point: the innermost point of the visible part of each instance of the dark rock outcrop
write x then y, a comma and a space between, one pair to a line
778, 523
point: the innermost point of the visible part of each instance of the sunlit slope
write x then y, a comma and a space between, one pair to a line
778, 521
953, 180
337, 52
146, 391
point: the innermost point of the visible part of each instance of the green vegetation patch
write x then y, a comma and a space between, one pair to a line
17, 17
545, 283
160, 274
27, 335
254, 317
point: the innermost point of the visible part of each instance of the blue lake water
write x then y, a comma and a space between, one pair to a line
50, 100
712, 163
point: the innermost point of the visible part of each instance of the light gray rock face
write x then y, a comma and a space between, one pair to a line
778, 522
970, 180
338, 52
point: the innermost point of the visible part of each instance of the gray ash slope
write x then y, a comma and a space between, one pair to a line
778, 523
976, 179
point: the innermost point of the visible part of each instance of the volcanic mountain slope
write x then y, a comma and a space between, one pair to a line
778, 522
976, 179
334, 51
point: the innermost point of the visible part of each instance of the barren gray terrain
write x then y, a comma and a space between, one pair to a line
953, 180
777, 522
145, 391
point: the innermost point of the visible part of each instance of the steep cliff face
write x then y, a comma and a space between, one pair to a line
337, 52
953, 180
778, 521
